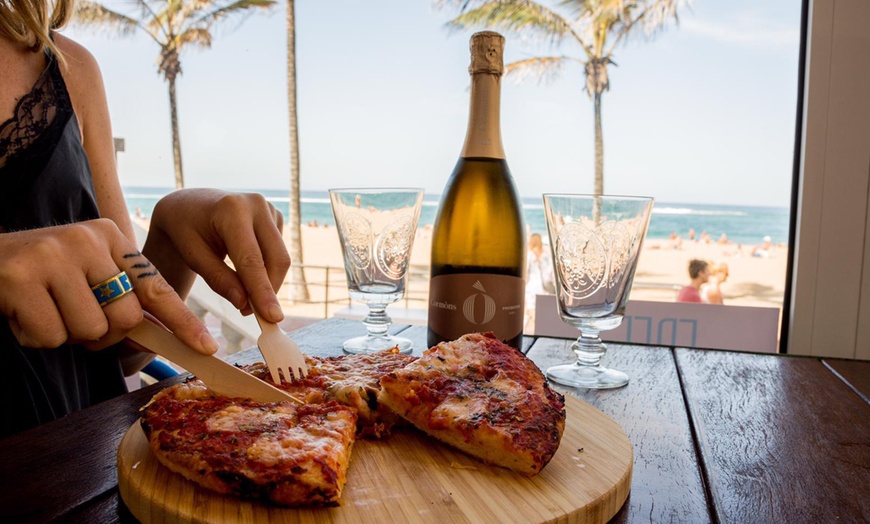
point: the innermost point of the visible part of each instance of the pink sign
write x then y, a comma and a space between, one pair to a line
678, 324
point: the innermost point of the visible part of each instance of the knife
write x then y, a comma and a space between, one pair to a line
221, 377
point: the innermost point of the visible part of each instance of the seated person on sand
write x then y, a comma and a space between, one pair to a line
764, 249
699, 273
676, 241
711, 293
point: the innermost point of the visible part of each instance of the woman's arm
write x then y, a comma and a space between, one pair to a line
84, 82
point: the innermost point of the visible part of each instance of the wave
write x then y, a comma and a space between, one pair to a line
690, 211
310, 200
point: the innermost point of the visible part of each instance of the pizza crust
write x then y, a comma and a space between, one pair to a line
277, 452
482, 397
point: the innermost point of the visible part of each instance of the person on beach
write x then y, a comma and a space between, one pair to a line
699, 273
763, 250
73, 282
711, 292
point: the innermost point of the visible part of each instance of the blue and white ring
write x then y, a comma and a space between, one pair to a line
112, 289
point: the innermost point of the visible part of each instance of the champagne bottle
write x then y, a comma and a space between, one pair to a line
478, 241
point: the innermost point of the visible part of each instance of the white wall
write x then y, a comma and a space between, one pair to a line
830, 310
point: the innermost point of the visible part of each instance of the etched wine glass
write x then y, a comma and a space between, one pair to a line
376, 228
595, 241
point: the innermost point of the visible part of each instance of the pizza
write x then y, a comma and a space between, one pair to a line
281, 452
483, 397
476, 394
351, 380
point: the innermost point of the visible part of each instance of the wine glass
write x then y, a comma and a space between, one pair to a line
595, 242
376, 228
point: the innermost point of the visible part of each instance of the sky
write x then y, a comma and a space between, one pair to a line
704, 112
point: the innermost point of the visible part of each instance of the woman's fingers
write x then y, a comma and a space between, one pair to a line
244, 227
259, 256
274, 250
37, 323
47, 279
81, 312
158, 298
250, 266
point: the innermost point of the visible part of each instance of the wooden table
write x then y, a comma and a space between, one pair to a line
718, 437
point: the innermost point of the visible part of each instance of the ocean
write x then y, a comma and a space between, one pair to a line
746, 225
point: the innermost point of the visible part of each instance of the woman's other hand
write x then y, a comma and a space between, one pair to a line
198, 229
46, 276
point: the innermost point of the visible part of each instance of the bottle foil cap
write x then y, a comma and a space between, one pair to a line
487, 53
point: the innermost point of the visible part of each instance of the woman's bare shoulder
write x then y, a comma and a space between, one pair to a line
83, 79
80, 61
82, 73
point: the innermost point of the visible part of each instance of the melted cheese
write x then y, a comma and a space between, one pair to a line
296, 444
240, 418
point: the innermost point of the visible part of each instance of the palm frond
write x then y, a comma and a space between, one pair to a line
210, 18
191, 7
93, 14
657, 14
543, 69
641, 19
197, 37
521, 17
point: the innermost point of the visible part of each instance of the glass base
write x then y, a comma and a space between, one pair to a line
582, 376
369, 344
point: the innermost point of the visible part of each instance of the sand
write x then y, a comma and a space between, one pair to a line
662, 269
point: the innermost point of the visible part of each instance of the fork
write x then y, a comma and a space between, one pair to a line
280, 352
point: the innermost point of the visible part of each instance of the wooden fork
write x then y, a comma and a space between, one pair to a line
280, 352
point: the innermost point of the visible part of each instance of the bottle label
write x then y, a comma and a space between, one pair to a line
476, 302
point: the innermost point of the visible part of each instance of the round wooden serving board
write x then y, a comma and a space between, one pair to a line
409, 477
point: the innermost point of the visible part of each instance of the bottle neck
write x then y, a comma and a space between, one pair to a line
483, 139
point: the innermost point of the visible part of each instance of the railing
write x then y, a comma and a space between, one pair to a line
327, 287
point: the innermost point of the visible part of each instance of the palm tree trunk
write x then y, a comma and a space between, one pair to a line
599, 148
599, 156
176, 140
298, 287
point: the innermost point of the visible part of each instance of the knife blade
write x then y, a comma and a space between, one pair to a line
221, 377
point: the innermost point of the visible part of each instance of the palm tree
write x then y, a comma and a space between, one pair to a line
299, 288
173, 25
597, 27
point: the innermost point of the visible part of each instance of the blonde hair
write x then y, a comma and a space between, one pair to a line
30, 22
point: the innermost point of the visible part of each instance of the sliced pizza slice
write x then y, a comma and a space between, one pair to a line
482, 397
281, 453
351, 380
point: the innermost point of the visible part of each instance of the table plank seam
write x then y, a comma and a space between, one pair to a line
696, 442
846, 382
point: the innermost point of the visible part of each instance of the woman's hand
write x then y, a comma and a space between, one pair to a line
196, 229
45, 288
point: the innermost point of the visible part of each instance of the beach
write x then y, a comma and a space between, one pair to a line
753, 280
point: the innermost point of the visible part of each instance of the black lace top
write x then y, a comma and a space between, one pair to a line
45, 180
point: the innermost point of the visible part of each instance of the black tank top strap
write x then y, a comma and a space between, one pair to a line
46, 179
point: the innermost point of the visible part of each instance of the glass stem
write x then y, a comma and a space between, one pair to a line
377, 322
589, 348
